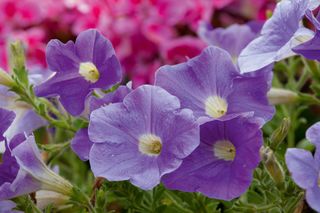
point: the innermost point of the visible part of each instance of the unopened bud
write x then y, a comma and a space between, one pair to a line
5, 79
281, 96
280, 133
272, 165
51, 181
44, 198
17, 58
17, 62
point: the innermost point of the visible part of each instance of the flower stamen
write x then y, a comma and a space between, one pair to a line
224, 150
150, 144
216, 106
89, 71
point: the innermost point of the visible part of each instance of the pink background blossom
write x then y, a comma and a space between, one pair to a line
145, 33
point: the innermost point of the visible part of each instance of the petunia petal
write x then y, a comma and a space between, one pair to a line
61, 57
6, 118
313, 197
313, 134
81, 144
301, 165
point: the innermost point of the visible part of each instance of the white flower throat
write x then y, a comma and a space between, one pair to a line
224, 150
216, 106
150, 144
89, 72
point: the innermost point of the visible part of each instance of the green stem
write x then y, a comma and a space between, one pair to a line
264, 208
291, 133
312, 68
84, 199
63, 122
303, 79
52, 108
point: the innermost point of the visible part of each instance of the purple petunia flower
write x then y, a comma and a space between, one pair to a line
305, 168
310, 49
80, 67
212, 87
282, 32
142, 138
232, 39
222, 166
7, 206
81, 143
6, 118
23, 171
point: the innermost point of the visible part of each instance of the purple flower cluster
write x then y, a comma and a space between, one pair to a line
197, 129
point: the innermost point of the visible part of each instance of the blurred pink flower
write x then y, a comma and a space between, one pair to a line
3, 56
218, 4
34, 41
180, 49
145, 33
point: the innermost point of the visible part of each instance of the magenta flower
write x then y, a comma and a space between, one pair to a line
81, 143
305, 168
23, 171
180, 49
222, 166
6, 118
211, 86
80, 67
142, 138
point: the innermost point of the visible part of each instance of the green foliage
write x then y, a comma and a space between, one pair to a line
128, 198
264, 196
26, 204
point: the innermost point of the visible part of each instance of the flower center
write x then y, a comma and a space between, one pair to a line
216, 106
150, 144
224, 150
89, 71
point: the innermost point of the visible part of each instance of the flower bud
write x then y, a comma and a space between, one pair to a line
44, 198
280, 133
53, 182
5, 79
281, 96
17, 58
272, 165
